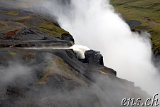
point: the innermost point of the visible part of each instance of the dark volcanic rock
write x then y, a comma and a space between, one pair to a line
94, 57
25, 35
31, 34
133, 23
67, 37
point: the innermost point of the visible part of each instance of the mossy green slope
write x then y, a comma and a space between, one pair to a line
146, 11
13, 20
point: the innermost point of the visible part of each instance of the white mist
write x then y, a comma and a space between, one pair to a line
94, 23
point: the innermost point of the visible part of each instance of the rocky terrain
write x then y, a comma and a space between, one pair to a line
31, 77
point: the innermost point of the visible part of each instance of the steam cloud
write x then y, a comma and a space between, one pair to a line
95, 24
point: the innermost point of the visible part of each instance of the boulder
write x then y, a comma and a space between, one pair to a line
93, 57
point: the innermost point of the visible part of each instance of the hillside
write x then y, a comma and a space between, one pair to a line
33, 76
145, 11
14, 20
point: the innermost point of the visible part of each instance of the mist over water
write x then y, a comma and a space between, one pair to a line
95, 24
